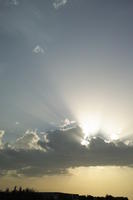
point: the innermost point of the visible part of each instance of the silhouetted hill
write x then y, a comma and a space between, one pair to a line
28, 194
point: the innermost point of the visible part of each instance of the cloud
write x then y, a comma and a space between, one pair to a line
14, 2
67, 124
38, 49
56, 152
2, 132
59, 3
28, 141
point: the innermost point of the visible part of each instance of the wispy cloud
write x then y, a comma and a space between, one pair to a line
38, 49
59, 3
14, 2
17, 123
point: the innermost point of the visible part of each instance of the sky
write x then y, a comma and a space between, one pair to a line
66, 69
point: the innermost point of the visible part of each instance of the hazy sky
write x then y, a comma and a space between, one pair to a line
66, 81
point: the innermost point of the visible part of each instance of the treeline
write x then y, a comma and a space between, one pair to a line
30, 194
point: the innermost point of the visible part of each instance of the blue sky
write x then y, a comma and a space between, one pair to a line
66, 69
84, 48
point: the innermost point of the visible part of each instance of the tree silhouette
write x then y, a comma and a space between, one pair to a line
30, 194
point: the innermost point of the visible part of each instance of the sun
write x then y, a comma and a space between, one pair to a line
90, 127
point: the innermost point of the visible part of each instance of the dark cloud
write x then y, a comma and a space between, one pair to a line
62, 150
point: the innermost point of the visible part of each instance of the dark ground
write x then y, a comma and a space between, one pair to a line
31, 195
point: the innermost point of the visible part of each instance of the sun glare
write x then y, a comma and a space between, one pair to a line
112, 132
90, 126
114, 136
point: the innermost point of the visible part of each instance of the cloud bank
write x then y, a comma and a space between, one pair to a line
55, 152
